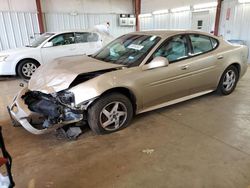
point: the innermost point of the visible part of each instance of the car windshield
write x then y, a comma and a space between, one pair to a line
128, 49
40, 39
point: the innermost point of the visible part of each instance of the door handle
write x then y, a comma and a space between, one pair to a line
220, 57
185, 67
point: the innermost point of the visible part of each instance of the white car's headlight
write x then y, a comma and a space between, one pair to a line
3, 57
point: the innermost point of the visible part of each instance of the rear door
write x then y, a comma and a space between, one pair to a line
87, 43
63, 45
204, 62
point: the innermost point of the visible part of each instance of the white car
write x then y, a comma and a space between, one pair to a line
49, 46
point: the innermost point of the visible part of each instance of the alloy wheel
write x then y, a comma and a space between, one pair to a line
113, 116
229, 80
28, 69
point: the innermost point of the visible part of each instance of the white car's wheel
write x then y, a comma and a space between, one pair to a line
27, 68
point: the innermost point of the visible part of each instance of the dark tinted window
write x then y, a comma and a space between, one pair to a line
63, 39
201, 43
86, 37
175, 49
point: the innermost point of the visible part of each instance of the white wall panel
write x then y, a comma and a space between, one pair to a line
146, 23
180, 20
66, 21
148, 6
17, 29
18, 5
237, 27
88, 6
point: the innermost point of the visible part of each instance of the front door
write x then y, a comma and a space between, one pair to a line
168, 83
62, 45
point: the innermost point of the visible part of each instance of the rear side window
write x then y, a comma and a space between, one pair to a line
86, 37
202, 43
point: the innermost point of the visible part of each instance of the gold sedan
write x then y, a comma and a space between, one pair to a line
135, 73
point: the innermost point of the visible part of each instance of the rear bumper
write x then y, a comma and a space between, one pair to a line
20, 114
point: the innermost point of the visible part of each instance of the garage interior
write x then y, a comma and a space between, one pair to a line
203, 142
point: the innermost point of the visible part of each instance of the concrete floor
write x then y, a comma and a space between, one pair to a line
204, 142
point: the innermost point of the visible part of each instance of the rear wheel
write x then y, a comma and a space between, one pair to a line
228, 80
110, 113
27, 68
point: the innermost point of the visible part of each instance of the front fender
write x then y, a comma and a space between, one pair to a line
92, 88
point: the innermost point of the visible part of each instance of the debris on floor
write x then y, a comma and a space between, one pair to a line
148, 151
69, 132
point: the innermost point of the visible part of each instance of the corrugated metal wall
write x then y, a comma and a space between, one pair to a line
180, 20
20, 28
17, 29
235, 21
66, 21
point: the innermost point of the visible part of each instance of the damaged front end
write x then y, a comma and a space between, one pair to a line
40, 113
59, 93
56, 109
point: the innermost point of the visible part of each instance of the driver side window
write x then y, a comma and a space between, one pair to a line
174, 49
63, 39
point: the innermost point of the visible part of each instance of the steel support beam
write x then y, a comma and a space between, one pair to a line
217, 18
40, 16
137, 8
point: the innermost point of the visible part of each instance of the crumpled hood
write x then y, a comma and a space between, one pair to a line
59, 74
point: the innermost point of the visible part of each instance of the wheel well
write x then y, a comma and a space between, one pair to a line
31, 59
126, 92
237, 65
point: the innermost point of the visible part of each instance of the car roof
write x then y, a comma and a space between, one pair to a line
72, 31
167, 33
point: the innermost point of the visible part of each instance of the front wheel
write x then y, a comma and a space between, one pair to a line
110, 113
27, 68
228, 80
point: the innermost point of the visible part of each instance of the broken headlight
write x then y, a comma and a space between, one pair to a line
66, 98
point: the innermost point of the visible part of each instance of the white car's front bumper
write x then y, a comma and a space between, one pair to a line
7, 68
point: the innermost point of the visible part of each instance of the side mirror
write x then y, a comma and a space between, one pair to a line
48, 44
157, 62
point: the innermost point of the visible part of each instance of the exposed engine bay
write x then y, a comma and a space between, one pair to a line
87, 76
56, 109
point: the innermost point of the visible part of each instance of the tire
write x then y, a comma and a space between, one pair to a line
26, 68
103, 117
228, 81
